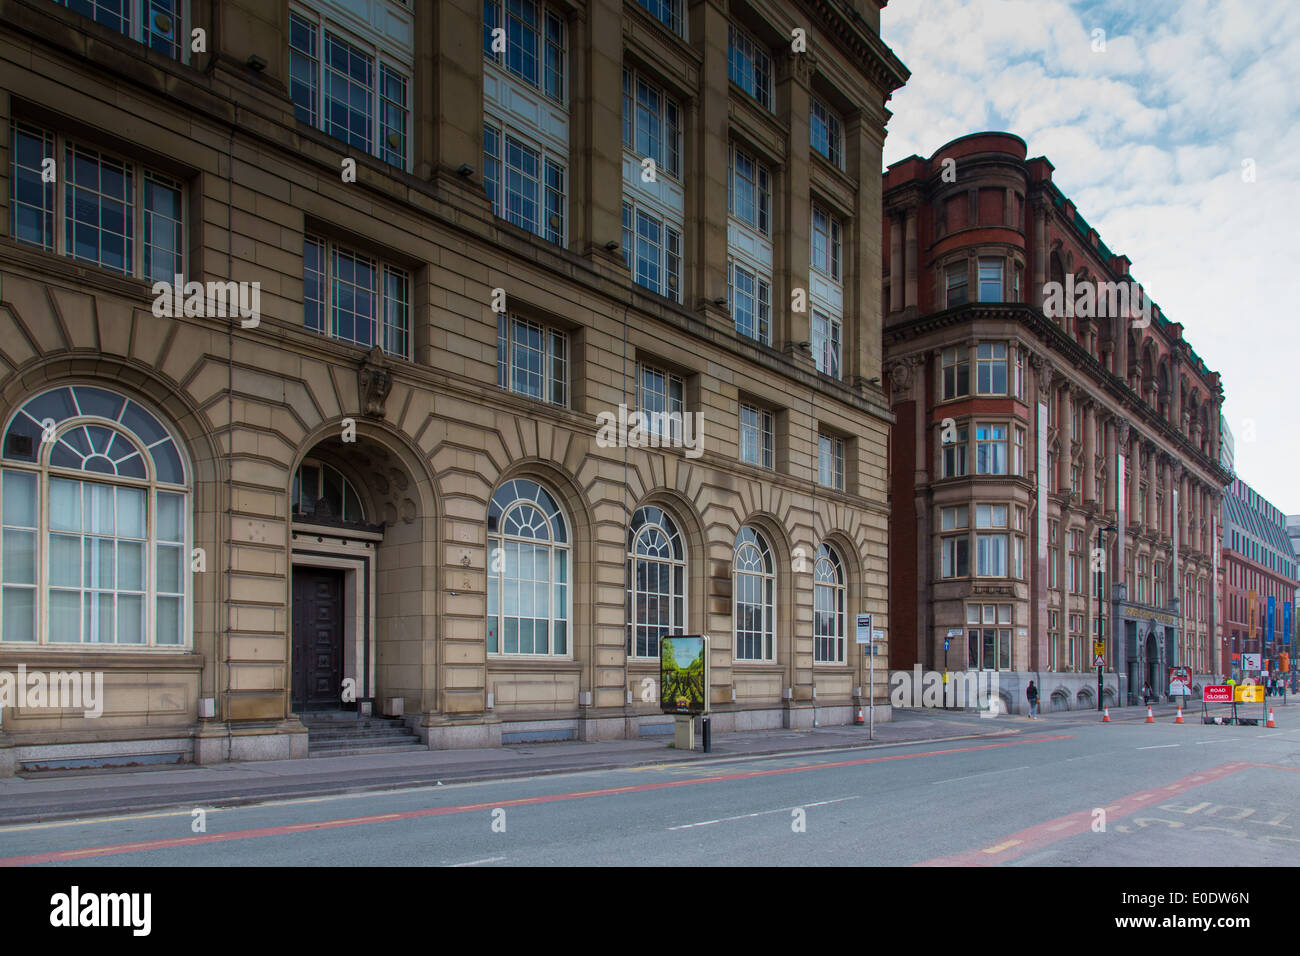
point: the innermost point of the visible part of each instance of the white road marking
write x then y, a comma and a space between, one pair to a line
987, 773
747, 816
1220, 740
1160, 747
489, 859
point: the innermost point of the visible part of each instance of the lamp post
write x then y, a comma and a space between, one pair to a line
1100, 640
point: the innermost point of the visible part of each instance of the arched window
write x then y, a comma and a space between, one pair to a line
828, 607
754, 604
656, 581
321, 492
528, 572
95, 503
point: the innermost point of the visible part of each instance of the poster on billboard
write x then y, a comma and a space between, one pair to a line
684, 674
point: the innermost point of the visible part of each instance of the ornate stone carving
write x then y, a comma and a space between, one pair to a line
1043, 370
374, 382
900, 374
1122, 432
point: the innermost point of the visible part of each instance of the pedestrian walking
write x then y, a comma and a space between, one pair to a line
1032, 693
1146, 693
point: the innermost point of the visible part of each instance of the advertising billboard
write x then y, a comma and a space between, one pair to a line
684, 674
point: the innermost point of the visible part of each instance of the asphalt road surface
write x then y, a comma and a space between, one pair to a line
1053, 792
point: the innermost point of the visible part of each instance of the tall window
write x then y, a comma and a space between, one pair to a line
990, 449
652, 249
95, 504
957, 279
356, 86
955, 548
1018, 451
652, 123
750, 67
954, 454
826, 333
656, 581
115, 214
159, 24
660, 400
991, 281
750, 297
826, 132
955, 371
991, 368
989, 633
355, 298
826, 233
991, 549
750, 193
756, 437
754, 604
667, 12
1075, 578
525, 181
830, 461
528, 572
829, 600
534, 43
532, 359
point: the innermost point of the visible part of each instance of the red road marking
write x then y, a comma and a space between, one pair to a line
1062, 828
284, 829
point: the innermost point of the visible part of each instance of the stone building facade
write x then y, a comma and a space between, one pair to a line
1026, 429
379, 479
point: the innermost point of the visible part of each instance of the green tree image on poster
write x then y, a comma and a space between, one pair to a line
682, 675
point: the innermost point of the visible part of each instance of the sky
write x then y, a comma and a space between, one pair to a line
1154, 129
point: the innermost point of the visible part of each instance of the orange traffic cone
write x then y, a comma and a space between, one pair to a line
1151, 719
1180, 714
1105, 716
1270, 718
858, 721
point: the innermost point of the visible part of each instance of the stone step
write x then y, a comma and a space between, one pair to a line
325, 738
363, 740
351, 751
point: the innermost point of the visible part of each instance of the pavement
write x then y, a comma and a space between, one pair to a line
45, 796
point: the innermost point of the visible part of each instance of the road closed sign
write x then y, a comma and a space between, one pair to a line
1218, 694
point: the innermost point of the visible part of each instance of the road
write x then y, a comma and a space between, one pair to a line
1057, 792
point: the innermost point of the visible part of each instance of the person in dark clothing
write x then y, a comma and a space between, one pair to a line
1032, 693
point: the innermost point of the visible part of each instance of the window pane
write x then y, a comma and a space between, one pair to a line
19, 614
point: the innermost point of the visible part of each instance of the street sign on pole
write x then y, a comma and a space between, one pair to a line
1099, 661
864, 629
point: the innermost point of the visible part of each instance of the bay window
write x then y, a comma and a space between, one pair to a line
990, 276
990, 449
955, 371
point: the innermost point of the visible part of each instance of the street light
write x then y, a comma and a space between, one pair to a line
1101, 637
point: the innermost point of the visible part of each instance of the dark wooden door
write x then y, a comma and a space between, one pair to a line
317, 637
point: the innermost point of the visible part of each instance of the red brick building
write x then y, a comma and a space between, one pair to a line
1257, 557
1044, 406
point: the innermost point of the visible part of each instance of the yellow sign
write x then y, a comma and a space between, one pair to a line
1249, 693
1099, 647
